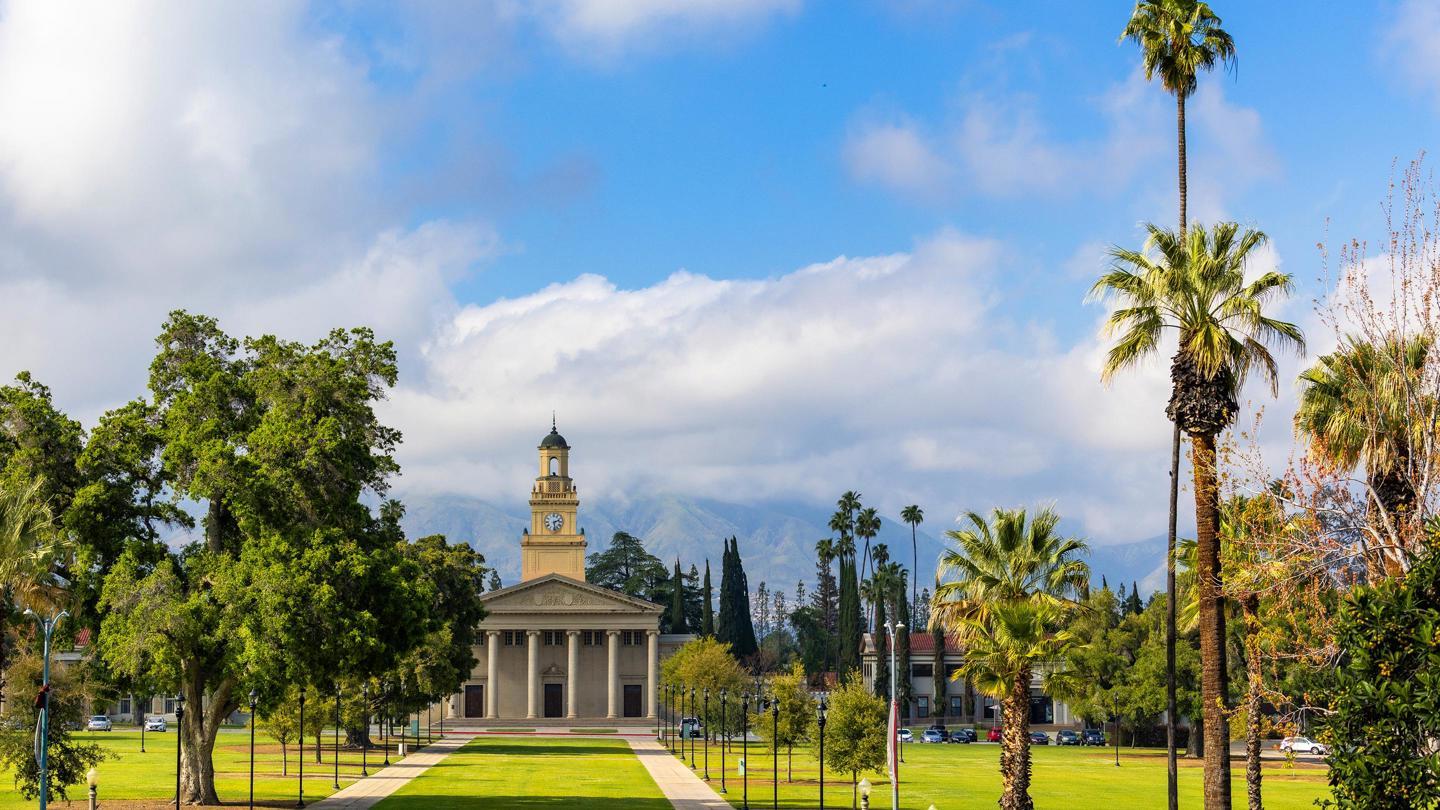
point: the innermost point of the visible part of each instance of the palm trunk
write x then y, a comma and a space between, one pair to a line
1172, 767
1180, 127
914, 574
1015, 745
1214, 686
1251, 607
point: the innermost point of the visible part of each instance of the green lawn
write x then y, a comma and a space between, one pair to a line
967, 776
520, 772
130, 774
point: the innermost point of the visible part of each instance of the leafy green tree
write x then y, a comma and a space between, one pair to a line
1013, 585
38, 442
67, 759
1196, 285
855, 731
797, 715
1178, 39
282, 723
1385, 698
31, 548
297, 580
825, 602
626, 567
815, 643
494, 582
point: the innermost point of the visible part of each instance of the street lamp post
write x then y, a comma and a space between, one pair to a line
725, 738
1115, 703
745, 750
254, 699
775, 747
705, 715
337, 736
300, 801
365, 738
142, 727
179, 741
42, 756
820, 710
692, 729
665, 710
384, 720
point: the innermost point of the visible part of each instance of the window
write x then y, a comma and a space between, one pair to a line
124, 705
553, 638
169, 705
632, 638
957, 705
592, 638
554, 465
869, 670
480, 638
922, 706
922, 670
513, 638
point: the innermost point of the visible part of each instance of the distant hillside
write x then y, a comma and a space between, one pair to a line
777, 541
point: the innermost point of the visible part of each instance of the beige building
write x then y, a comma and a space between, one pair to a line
554, 646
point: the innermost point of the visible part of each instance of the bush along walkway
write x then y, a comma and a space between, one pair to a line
680, 785
370, 790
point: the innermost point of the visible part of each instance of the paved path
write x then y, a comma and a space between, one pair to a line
681, 786
370, 790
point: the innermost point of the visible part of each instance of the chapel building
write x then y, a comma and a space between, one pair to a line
553, 646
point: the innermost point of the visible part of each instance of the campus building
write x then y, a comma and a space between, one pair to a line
961, 704
554, 646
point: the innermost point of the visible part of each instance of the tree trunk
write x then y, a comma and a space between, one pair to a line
1195, 744
1180, 129
1253, 694
1015, 745
319, 735
1171, 766
1213, 676
201, 724
284, 760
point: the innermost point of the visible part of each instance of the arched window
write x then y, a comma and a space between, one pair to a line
554, 465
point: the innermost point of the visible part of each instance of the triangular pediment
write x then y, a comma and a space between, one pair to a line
556, 593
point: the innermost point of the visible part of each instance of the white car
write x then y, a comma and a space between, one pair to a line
98, 723
906, 735
1303, 745
155, 724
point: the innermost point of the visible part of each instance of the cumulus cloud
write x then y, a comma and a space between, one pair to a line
603, 29
895, 374
1410, 44
998, 145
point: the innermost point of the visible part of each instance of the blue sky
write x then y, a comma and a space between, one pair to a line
748, 249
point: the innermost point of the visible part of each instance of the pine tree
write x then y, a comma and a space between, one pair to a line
693, 598
677, 603
762, 610
495, 580
707, 612
1133, 606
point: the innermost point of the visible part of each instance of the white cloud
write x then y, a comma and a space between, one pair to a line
604, 29
895, 155
1410, 44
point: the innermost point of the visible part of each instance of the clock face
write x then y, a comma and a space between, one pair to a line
554, 521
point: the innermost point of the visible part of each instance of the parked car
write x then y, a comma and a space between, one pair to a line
993, 735
1039, 738
156, 724
906, 735
963, 735
98, 723
691, 727
944, 734
1092, 736
931, 736
1067, 736
1303, 745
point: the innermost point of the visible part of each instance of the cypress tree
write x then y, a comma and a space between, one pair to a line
677, 603
707, 611
904, 690
848, 656
1134, 606
743, 644
882, 653
725, 622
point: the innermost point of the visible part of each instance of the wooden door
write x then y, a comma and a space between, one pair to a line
554, 700
632, 700
474, 700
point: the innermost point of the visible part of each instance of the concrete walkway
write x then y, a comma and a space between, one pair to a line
369, 791
681, 786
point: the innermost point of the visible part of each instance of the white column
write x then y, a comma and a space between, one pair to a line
572, 673
532, 672
612, 679
652, 671
492, 674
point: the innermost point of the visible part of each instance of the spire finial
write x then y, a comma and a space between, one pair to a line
552, 423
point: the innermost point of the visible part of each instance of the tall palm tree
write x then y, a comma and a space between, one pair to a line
914, 516
1012, 581
1177, 39
1363, 405
30, 546
1195, 285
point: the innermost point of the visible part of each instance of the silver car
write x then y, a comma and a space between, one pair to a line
98, 723
155, 724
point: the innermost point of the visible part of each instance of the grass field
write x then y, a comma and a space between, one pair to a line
961, 777
130, 774
548, 772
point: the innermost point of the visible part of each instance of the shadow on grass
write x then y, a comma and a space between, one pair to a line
422, 802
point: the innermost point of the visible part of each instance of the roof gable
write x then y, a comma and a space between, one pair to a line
557, 593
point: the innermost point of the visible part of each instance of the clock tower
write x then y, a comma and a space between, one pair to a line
554, 543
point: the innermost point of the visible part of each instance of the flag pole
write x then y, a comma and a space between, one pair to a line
894, 747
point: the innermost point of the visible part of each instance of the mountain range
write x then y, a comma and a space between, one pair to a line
777, 540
